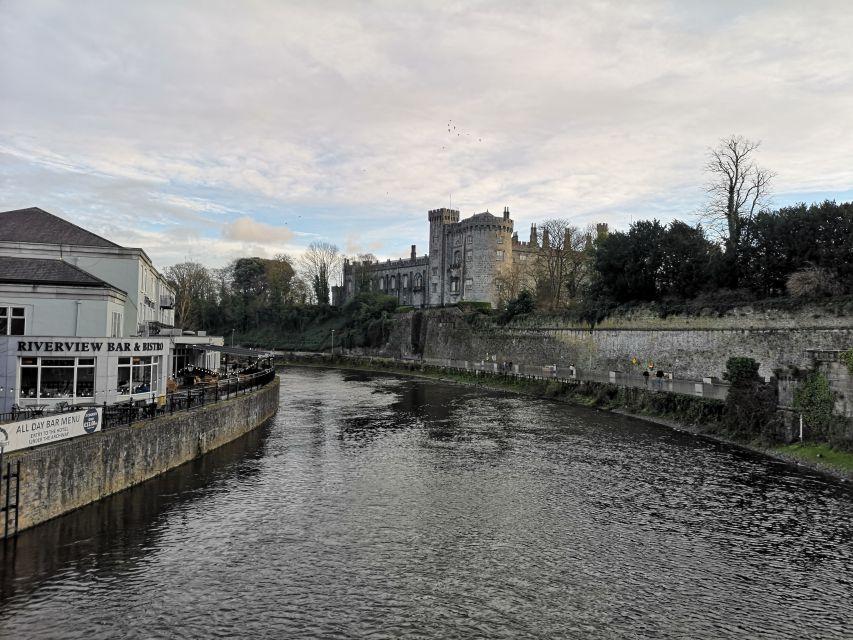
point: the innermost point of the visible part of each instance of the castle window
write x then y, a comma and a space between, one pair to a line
469, 282
382, 284
457, 257
393, 283
418, 281
500, 239
499, 255
470, 239
454, 285
435, 271
434, 287
469, 255
405, 281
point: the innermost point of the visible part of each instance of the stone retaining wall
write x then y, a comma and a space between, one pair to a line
60, 477
690, 353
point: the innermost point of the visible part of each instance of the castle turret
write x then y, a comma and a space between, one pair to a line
414, 252
546, 239
534, 238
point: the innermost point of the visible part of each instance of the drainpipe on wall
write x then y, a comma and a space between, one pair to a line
77, 319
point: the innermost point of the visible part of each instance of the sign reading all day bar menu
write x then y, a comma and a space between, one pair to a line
35, 431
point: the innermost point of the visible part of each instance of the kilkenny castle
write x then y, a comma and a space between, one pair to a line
464, 258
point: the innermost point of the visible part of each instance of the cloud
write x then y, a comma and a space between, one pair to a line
332, 118
247, 230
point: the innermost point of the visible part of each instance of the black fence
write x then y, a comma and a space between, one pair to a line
199, 395
148, 409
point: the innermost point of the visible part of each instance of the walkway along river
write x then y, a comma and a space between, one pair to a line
377, 506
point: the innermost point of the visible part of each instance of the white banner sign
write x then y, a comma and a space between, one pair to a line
44, 429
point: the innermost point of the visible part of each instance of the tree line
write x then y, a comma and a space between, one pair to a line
740, 250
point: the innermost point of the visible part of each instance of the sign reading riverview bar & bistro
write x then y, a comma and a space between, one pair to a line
36, 431
89, 346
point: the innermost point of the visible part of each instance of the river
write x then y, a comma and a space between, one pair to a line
375, 506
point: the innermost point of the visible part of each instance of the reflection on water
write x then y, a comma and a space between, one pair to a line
387, 507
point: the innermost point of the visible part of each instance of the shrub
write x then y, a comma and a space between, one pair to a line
813, 282
751, 404
815, 400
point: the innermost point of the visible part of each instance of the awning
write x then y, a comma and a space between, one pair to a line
232, 351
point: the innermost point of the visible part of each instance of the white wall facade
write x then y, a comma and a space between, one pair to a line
65, 311
129, 270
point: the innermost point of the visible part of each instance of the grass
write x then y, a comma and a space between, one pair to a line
821, 454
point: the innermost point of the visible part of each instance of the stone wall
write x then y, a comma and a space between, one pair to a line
674, 346
63, 476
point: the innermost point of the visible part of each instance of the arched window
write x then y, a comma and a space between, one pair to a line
382, 284
419, 281
405, 281
393, 283
457, 257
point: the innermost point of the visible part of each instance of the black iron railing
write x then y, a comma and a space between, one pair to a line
187, 399
184, 400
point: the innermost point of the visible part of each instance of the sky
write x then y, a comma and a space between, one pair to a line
212, 130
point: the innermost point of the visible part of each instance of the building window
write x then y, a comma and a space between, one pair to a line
469, 255
12, 321
393, 283
138, 374
500, 239
454, 285
435, 287
116, 325
405, 281
457, 258
382, 284
499, 255
435, 271
522, 257
470, 240
469, 282
418, 281
51, 378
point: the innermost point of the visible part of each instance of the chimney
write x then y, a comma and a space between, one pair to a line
534, 239
546, 239
414, 253
506, 213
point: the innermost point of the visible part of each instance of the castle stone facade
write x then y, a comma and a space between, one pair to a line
465, 257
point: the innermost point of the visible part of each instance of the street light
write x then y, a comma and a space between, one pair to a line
232, 337
333, 342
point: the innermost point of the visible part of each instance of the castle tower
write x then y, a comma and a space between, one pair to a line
534, 238
439, 220
546, 239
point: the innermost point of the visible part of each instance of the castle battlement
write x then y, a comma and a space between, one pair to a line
465, 258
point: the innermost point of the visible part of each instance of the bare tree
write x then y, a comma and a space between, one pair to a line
192, 283
562, 262
320, 267
361, 270
738, 190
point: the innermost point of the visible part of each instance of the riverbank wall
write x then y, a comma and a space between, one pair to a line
689, 347
60, 477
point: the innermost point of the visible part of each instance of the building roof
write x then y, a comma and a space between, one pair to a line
15, 270
38, 226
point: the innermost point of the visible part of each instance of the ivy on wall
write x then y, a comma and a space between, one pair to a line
815, 400
847, 358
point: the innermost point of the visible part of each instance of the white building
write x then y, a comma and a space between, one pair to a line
82, 319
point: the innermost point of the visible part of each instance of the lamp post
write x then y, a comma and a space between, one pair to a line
232, 337
333, 342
